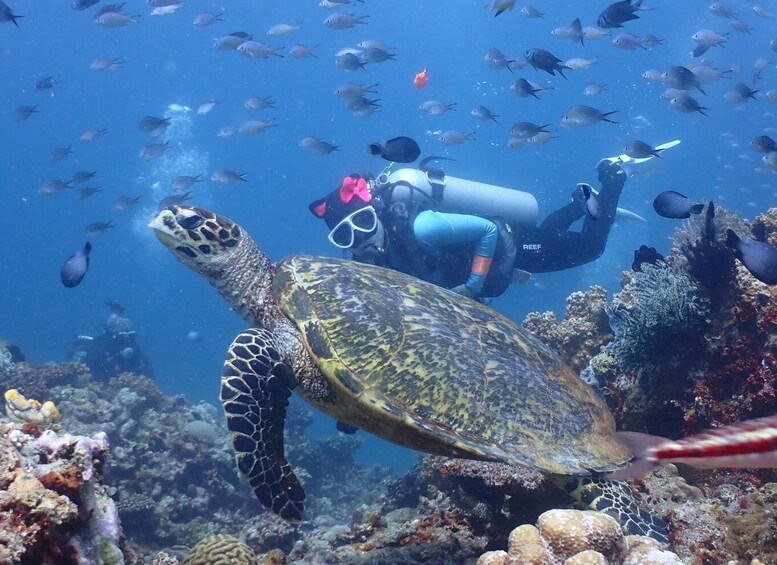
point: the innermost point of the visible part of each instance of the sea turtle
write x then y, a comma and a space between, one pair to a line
403, 359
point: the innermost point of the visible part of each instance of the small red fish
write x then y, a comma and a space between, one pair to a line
749, 444
421, 79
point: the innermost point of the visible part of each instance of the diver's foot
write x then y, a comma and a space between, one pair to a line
610, 172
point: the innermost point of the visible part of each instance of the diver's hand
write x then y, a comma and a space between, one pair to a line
464, 291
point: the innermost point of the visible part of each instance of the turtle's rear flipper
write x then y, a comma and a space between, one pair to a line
616, 499
255, 393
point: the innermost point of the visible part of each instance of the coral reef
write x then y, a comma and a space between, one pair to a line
693, 340
735, 375
54, 507
172, 477
726, 372
172, 472
575, 537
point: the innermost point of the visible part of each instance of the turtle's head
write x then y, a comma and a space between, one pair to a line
199, 238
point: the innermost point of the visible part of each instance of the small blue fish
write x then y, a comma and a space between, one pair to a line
758, 257
398, 150
75, 267
644, 255
7, 15
617, 14
671, 204
543, 60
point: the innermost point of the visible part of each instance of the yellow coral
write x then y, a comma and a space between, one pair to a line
21, 409
220, 550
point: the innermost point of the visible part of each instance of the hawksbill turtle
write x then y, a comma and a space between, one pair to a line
400, 358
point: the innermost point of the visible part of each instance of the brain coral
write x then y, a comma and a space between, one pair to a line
220, 550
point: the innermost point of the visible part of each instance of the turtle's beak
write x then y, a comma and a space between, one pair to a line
164, 225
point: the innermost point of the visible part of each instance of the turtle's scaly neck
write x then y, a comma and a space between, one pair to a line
245, 281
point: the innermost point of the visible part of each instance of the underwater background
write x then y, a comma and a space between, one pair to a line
171, 67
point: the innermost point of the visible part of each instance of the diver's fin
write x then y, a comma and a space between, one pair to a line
638, 166
623, 214
667, 145
620, 213
520, 276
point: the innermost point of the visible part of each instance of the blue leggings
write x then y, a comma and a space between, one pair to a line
434, 230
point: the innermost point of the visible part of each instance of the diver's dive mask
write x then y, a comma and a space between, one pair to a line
345, 233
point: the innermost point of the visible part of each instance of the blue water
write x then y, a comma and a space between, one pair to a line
170, 61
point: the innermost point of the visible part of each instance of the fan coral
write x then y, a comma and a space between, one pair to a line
708, 261
220, 550
664, 322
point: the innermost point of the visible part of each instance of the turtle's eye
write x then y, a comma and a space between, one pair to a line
189, 222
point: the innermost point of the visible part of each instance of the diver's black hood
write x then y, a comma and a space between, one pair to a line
340, 202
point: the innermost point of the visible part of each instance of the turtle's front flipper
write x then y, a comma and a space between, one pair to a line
254, 393
616, 499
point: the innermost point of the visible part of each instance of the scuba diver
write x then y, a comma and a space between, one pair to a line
471, 237
113, 351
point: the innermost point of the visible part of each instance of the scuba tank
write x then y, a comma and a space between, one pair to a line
444, 193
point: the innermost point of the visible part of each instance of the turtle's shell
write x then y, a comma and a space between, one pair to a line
425, 368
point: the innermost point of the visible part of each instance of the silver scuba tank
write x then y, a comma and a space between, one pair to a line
458, 196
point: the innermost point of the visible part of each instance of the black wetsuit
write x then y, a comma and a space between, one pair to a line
112, 353
552, 247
